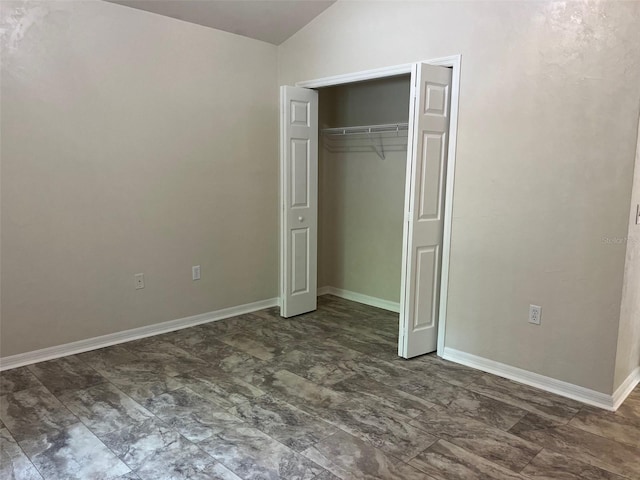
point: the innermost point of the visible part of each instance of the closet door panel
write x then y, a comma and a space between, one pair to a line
299, 261
427, 160
299, 185
432, 176
427, 260
299, 174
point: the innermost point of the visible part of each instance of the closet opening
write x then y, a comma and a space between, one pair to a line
366, 186
362, 163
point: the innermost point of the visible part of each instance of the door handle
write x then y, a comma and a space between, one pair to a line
301, 219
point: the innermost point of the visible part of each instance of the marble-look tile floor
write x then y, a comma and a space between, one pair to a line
321, 396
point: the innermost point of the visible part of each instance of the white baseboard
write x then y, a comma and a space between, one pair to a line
360, 298
623, 391
94, 343
564, 389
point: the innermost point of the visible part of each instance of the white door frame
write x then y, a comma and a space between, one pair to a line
453, 61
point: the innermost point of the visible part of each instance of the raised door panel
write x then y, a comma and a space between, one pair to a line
299, 176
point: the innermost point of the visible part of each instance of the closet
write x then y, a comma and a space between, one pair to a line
362, 158
365, 188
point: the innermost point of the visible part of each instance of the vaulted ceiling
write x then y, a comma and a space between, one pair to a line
271, 21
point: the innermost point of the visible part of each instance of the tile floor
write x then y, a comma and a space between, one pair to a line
322, 396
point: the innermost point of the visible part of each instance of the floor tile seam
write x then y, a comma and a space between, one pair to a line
530, 460
621, 412
436, 439
230, 411
245, 424
527, 410
408, 417
98, 436
584, 430
350, 433
578, 429
136, 352
608, 470
491, 462
196, 444
452, 439
59, 430
59, 401
305, 455
175, 431
153, 416
26, 456
2, 394
314, 416
13, 435
524, 411
539, 391
570, 457
115, 386
417, 467
427, 374
326, 387
356, 353
215, 461
416, 422
69, 389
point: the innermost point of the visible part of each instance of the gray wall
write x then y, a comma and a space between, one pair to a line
131, 143
547, 138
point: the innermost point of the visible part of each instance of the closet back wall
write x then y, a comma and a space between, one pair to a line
361, 200
131, 142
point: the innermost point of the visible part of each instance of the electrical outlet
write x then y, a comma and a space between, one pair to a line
195, 272
535, 314
139, 279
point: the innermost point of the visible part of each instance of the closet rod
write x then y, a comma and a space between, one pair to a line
367, 129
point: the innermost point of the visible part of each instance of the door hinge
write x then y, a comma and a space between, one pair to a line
408, 217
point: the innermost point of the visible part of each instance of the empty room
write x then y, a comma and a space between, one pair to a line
318, 239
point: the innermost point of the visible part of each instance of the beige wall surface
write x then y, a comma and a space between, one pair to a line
547, 136
628, 355
361, 200
131, 143
367, 103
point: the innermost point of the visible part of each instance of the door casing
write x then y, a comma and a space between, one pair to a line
455, 62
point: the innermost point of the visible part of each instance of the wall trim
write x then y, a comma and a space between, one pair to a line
372, 74
49, 353
360, 298
548, 384
625, 389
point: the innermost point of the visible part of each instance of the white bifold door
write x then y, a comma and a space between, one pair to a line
299, 192
424, 205
424, 209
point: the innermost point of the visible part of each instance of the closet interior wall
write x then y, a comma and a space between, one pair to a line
361, 196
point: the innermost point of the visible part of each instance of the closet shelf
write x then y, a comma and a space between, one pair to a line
390, 137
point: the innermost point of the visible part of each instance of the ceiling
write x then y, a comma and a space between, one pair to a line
272, 21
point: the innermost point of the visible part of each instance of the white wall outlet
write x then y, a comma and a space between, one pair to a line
195, 272
535, 314
139, 279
